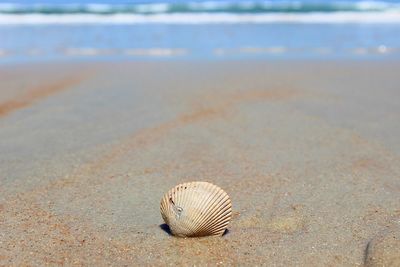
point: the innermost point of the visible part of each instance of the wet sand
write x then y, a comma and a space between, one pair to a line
308, 151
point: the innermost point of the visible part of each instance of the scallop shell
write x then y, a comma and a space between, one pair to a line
196, 209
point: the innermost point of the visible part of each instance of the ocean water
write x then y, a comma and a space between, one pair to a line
178, 30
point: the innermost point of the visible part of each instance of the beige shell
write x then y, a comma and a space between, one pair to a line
196, 209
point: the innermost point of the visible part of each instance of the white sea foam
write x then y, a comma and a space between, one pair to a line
251, 50
380, 50
86, 51
261, 50
148, 52
156, 52
277, 50
202, 18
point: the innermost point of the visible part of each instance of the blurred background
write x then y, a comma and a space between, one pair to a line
60, 30
291, 106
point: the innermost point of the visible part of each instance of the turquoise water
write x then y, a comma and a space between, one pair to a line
88, 30
226, 6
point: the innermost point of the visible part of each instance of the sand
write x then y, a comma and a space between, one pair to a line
308, 151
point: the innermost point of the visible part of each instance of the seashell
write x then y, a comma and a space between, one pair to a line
196, 209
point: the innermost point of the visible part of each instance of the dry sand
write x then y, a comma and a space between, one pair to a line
308, 152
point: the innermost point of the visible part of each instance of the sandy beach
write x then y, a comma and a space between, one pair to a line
309, 153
